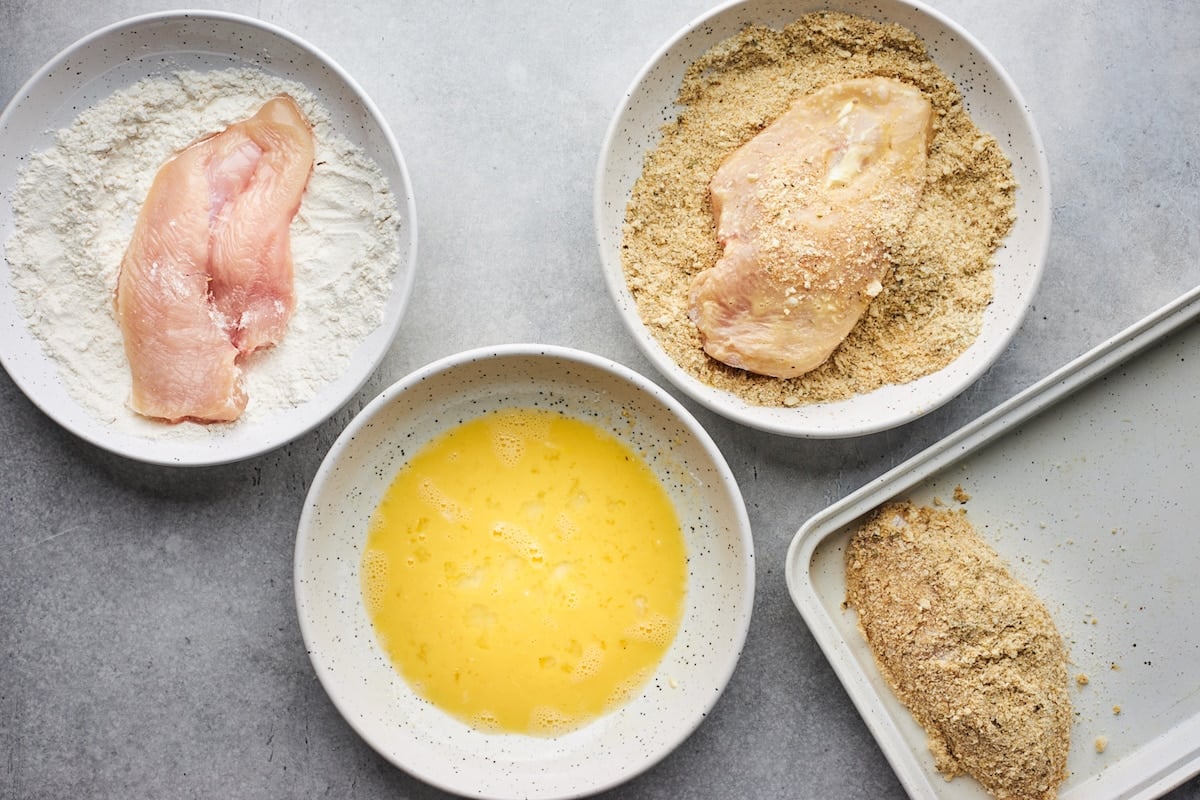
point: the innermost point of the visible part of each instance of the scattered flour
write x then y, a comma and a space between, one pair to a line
74, 210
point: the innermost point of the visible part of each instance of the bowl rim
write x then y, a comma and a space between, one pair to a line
638, 383
403, 278
726, 403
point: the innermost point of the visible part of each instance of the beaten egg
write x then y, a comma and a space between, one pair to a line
525, 572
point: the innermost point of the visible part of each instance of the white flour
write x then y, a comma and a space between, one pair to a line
74, 211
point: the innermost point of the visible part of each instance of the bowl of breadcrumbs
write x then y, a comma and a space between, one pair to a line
956, 281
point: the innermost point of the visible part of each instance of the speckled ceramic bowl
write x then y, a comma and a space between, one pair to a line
425, 741
161, 45
996, 107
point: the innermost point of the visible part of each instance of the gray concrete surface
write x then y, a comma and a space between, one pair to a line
149, 645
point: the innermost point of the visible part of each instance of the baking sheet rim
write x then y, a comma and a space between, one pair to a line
973, 436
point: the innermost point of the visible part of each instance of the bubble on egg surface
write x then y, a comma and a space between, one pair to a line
653, 627
565, 525
486, 722
590, 662
630, 687
550, 721
511, 435
520, 540
563, 585
374, 578
510, 447
449, 508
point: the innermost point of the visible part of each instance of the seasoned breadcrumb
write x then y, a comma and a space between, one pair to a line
932, 304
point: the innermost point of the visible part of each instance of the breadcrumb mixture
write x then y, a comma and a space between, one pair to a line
970, 651
931, 308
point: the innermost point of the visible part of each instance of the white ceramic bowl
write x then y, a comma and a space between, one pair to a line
996, 107
357, 674
161, 44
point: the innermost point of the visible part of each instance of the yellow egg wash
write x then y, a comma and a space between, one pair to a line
525, 572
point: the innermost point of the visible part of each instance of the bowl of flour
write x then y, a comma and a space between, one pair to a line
80, 144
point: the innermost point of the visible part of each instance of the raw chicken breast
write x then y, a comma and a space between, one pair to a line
803, 211
207, 276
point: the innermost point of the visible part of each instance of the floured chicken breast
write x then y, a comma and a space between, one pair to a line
804, 211
207, 276
972, 653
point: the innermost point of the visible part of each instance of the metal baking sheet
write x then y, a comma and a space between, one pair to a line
1088, 484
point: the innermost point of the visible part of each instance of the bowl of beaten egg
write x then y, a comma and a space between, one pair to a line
524, 571
721, 266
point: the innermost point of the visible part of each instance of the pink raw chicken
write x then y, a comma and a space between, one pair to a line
803, 210
207, 277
